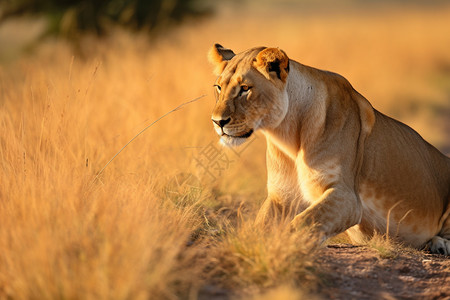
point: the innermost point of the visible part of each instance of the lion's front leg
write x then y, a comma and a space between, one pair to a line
272, 210
334, 212
279, 206
283, 200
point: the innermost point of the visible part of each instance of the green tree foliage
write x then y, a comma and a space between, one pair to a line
71, 17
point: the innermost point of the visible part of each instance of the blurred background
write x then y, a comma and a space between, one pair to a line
396, 53
79, 79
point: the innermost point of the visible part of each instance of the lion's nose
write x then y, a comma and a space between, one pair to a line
222, 122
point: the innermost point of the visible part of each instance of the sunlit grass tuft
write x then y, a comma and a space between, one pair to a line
283, 292
385, 246
388, 248
248, 259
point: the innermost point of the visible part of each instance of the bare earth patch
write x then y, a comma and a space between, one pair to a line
353, 272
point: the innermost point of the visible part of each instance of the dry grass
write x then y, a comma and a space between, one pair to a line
250, 260
141, 230
386, 247
283, 292
389, 248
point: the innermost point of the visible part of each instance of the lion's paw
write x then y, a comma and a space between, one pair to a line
439, 245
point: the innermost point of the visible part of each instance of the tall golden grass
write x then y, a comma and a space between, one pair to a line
156, 224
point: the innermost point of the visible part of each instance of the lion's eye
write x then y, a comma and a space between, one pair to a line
244, 89
218, 88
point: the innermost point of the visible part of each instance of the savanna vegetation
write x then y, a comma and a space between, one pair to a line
171, 216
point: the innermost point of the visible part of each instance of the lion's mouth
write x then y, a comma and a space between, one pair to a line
243, 136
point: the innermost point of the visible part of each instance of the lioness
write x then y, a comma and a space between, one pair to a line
333, 161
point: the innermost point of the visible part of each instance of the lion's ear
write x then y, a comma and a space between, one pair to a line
273, 61
218, 56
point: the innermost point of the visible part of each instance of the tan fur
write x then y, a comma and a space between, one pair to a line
219, 56
333, 161
269, 55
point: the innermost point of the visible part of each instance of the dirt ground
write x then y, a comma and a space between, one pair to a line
357, 272
353, 272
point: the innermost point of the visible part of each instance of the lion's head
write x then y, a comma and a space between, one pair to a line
250, 91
